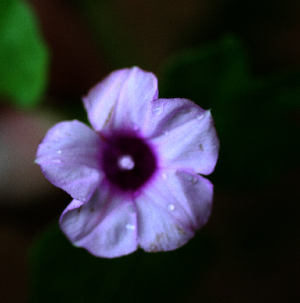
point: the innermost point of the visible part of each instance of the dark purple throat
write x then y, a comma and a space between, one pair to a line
127, 161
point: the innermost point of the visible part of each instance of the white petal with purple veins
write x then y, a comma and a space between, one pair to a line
191, 143
68, 156
105, 226
166, 114
139, 89
111, 102
171, 208
101, 100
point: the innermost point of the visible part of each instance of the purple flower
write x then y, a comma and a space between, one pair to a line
134, 177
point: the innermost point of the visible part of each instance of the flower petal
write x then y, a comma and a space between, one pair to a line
184, 135
120, 98
68, 157
171, 208
105, 225
101, 99
137, 92
165, 114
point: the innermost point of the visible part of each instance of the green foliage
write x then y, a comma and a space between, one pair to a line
255, 116
23, 55
62, 273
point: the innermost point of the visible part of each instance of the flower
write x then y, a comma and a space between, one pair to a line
135, 177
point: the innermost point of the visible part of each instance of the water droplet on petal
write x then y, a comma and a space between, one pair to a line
153, 247
164, 176
135, 128
171, 207
194, 180
184, 111
130, 226
157, 111
59, 152
199, 117
56, 161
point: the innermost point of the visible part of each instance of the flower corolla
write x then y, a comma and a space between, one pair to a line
136, 177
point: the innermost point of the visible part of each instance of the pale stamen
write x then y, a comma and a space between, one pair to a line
126, 162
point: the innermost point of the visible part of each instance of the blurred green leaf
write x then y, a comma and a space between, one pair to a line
255, 116
62, 273
23, 54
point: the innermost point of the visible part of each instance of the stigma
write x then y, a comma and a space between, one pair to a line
126, 162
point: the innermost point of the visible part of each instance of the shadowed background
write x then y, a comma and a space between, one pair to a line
252, 238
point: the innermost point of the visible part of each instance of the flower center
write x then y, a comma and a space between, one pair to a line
127, 161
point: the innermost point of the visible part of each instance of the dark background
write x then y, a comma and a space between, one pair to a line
256, 232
